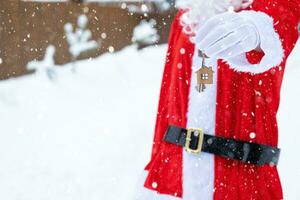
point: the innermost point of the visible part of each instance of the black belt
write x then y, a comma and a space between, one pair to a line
195, 141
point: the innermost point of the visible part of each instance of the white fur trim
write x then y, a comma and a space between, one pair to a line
143, 193
270, 43
198, 170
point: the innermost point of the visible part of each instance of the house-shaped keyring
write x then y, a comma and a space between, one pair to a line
205, 75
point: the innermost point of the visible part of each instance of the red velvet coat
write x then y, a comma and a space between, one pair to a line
237, 93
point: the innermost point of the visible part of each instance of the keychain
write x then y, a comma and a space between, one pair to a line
204, 74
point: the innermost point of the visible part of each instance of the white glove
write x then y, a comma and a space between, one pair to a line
236, 5
227, 35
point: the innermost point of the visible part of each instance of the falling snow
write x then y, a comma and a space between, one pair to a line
111, 49
59, 134
182, 51
154, 185
79, 137
252, 135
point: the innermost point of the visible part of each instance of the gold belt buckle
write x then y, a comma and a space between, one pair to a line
198, 132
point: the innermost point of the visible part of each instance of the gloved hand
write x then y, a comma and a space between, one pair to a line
236, 5
227, 35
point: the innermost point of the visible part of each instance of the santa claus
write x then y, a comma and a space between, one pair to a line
220, 141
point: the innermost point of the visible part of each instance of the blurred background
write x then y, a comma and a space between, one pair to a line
79, 86
29, 27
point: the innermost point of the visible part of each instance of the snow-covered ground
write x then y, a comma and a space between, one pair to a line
289, 134
87, 136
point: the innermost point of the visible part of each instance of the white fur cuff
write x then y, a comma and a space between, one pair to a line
270, 43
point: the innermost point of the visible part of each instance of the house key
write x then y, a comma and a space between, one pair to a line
204, 74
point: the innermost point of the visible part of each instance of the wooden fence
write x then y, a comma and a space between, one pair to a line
27, 28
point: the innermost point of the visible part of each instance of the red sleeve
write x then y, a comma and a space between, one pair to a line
286, 15
175, 84
172, 109
162, 112
294, 5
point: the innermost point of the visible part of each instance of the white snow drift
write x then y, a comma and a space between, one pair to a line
87, 136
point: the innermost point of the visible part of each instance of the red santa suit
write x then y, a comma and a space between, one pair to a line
241, 103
